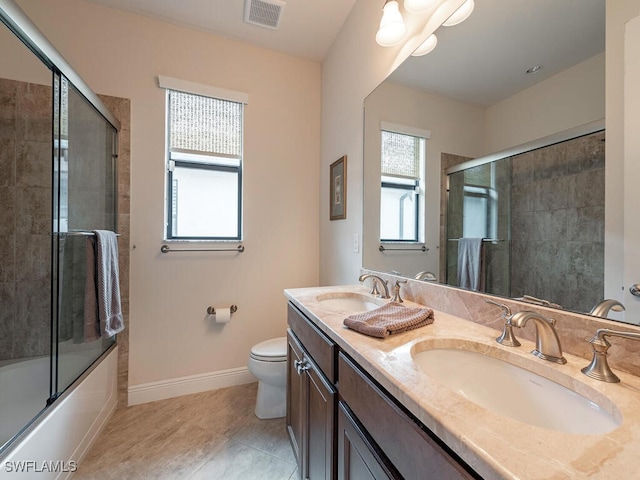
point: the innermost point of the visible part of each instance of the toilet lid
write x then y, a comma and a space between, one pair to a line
274, 350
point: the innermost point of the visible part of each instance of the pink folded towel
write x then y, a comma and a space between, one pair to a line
389, 319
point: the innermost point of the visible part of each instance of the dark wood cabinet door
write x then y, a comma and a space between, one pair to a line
320, 434
414, 452
296, 401
357, 458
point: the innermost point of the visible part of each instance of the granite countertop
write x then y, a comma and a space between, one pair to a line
495, 446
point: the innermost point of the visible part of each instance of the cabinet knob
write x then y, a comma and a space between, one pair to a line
301, 366
635, 289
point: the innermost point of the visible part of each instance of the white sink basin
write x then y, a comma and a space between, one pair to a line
348, 302
515, 392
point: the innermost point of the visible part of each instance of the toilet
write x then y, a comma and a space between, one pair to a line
268, 363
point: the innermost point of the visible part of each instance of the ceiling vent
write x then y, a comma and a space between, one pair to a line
264, 13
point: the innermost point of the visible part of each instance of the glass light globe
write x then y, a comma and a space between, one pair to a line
427, 46
461, 14
392, 27
418, 6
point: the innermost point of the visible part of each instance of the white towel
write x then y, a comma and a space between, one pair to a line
470, 273
103, 311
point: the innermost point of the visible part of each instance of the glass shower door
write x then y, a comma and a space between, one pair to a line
25, 235
87, 201
478, 206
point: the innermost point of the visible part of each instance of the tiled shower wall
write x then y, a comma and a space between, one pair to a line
557, 223
25, 219
557, 248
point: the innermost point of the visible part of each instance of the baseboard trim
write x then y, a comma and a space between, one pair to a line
175, 387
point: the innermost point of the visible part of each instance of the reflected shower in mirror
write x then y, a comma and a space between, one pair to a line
475, 98
538, 215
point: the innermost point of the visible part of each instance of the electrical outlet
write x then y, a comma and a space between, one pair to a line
356, 243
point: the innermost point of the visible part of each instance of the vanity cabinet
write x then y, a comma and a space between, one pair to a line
358, 457
365, 435
396, 442
311, 397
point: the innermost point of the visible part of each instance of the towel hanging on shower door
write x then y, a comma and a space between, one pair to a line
471, 264
103, 311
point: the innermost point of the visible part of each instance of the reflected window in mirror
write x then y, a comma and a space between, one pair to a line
480, 197
403, 153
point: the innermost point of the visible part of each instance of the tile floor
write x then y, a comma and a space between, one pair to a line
210, 435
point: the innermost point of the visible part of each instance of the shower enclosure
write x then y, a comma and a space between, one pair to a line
540, 214
57, 185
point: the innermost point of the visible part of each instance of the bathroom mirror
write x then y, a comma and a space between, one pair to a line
473, 98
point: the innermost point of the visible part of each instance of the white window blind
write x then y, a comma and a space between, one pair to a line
204, 124
400, 155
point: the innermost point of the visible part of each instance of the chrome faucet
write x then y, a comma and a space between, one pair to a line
507, 338
602, 308
374, 289
547, 341
426, 276
396, 291
599, 368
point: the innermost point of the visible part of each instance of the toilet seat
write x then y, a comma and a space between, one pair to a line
273, 350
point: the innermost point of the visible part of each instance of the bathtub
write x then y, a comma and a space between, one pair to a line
24, 390
63, 432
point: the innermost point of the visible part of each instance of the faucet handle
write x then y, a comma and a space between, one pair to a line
396, 291
599, 367
507, 338
506, 311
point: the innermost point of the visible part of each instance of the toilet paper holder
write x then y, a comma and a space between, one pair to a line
212, 310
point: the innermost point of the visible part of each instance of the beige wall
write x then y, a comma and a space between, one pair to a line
569, 99
121, 54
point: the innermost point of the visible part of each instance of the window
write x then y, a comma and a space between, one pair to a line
204, 167
402, 185
480, 202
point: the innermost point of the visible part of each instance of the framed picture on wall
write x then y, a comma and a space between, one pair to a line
338, 189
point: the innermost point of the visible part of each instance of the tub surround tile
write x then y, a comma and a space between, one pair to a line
34, 116
7, 215
33, 164
495, 446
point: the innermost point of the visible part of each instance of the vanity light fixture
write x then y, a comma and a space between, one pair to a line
419, 6
427, 46
461, 14
392, 27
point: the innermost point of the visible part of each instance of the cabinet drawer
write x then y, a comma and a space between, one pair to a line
409, 448
358, 459
320, 347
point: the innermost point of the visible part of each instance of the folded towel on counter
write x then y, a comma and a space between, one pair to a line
389, 319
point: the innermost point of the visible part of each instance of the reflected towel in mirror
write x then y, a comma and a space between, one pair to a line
470, 264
